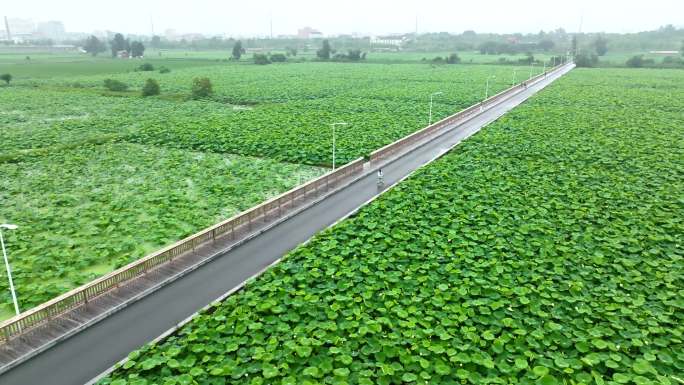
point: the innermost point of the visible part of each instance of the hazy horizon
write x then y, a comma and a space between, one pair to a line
353, 16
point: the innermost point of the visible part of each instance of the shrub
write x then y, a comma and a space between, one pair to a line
7, 78
115, 85
586, 60
453, 59
145, 67
637, 61
201, 88
150, 88
164, 70
438, 59
278, 57
261, 59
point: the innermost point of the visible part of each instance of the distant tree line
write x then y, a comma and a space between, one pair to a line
119, 44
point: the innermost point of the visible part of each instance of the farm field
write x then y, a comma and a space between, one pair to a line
46, 65
97, 179
280, 111
88, 210
544, 250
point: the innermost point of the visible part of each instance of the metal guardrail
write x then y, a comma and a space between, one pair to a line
413, 138
81, 295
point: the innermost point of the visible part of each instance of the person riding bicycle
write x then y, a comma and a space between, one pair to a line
381, 179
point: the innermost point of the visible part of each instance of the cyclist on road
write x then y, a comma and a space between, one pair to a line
381, 180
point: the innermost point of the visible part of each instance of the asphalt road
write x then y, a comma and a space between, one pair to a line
90, 352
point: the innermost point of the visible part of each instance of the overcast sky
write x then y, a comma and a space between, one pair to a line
251, 17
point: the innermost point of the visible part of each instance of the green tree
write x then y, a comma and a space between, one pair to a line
601, 45
573, 45
93, 46
201, 88
7, 78
151, 88
636, 61
681, 50
453, 59
238, 50
546, 45
155, 42
118, 44
586, 60
137, 49
324, 52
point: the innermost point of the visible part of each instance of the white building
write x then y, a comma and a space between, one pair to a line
392, 41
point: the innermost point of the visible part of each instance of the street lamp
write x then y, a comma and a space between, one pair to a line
487, 86
515, 70
333, 130
431, 95
7, 266
531, 66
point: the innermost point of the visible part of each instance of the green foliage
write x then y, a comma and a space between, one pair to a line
586, 60
150, 88
546, 45
261, 59
325, 51
88, 210
453, 59
115, 85
164, 70
7, 78
601, 45
145, 67
137, 49
93, 46
545, 250
238, 50
119, 43
201, 88
270, 111
638, 61
278, 58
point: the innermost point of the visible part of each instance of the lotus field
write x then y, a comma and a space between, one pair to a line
96, 179
547, 249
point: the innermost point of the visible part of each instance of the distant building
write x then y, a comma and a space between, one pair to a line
20, 30
309, 33
393, 41
664, 52
51, 29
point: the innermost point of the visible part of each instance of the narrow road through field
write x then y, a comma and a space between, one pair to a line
90, 352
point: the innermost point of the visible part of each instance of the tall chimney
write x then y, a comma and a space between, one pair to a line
9, 34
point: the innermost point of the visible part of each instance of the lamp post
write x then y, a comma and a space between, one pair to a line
431, 95
531, 66
487, 86
515, 70
7, 266
333, 132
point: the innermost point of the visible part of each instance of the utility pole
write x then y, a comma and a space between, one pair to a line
7, 28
